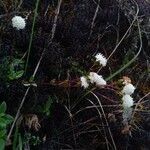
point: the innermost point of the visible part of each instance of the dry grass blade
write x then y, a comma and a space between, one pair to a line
100, 115
17, 114
137, 104
70, 115
111, 136
94, 18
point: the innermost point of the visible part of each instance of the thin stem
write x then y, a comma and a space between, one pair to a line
31, 37
18, 113
136, 106
94, 18
132, 60
135, 18
107, 124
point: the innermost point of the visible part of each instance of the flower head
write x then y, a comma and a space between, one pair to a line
101, 59
84, 82
127, 114
18, 22
92, 77
127, 101
128, 89
97, 79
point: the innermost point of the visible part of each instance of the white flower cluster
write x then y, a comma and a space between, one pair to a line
18, 22
97, 79
128, 89
84, 82
128, 102
101, 59
92, 78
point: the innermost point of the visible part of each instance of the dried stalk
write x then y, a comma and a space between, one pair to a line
107, 124
36, 69
94, 18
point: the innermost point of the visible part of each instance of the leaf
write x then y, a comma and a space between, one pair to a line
15, 75
48, 105
20, 143
5, 120
19, 74
2, 144
31, 79
2, 114
2, 123
16, 69
3, 107
2, 133
8, 119
15, 139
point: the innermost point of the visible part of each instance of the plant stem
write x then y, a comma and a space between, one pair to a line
31, 36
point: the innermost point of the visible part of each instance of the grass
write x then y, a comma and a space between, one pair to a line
32, 33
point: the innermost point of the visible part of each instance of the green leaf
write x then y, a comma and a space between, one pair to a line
8, 119
19, 74
5, 120
3, 107
2, 144
2, 133
2, 123
20, 142
15, 139
31, 79
2, 114
16, 69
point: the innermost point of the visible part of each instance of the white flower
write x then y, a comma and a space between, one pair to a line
101, 59
127, 114
92, 77
18, 22
84, 82
98, 79
127, 101
128, 89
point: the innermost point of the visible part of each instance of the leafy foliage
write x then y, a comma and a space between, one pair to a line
33, 140
46, 108
16, 69
5, 120
11, 70
17, 142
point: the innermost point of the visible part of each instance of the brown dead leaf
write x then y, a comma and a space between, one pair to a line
111, 117
126, 80
32, 121
126, 130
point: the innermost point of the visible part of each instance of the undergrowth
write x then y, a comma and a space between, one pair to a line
74, 74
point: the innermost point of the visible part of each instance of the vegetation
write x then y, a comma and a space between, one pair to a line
5, 120
74, 74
